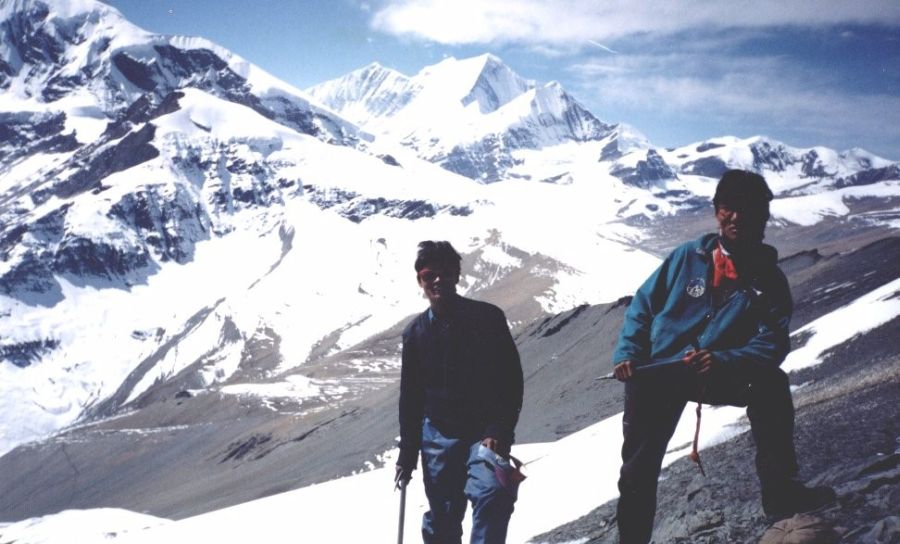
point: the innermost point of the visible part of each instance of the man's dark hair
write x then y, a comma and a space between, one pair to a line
440, 254
741, 189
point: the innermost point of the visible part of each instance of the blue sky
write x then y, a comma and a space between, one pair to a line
823, 72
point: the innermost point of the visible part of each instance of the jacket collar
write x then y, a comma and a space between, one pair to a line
450, 310
756, 258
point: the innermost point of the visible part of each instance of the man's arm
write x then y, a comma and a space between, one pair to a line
634, 339
771, 344
500, 432
412, 406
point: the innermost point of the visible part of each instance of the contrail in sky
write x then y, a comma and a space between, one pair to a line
603, 47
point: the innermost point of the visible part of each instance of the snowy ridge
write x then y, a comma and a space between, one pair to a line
788, 170
496, 84
86, 60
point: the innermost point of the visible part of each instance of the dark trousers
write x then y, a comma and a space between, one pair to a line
653, 405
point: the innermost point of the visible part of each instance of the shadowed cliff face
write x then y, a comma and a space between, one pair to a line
647, 172
163, 220
27, 133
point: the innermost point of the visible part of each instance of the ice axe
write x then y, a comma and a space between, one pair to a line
660, 364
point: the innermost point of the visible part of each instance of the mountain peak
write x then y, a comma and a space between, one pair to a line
366, 93
51, 43
495, 84
61, 8
69, 19
58, 49
374, 68
489, 59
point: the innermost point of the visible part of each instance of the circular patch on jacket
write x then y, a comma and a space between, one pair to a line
696, 287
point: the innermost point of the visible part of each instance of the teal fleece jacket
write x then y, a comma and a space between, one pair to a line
674, 308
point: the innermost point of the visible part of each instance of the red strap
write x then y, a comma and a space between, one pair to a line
695, 454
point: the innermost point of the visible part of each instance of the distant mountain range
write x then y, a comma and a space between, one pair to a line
472, 116
175, 223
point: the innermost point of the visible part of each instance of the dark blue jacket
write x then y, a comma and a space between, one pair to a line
462, 371
674, 307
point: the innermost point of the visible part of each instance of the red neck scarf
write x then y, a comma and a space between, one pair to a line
723, 267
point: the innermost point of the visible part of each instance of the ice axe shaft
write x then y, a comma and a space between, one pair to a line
648, 368
402, 510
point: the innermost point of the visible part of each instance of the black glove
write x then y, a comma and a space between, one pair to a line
402, 477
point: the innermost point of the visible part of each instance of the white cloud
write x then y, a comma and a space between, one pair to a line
759, 90
553, 51
458, 22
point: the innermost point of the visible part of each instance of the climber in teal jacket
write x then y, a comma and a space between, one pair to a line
720, 308
676, 308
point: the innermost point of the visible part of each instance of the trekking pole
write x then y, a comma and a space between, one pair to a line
402, 485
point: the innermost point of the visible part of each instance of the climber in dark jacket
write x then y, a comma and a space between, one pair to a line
460, 394
723, 303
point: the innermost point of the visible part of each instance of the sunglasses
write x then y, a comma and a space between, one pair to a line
429, 275
729, 209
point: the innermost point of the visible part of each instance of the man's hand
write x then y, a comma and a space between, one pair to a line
623, 371
490, 443
497, 446
402, 476
702, 361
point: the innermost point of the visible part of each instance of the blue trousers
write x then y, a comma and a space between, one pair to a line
456, 468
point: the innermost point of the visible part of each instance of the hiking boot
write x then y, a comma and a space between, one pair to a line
794, 498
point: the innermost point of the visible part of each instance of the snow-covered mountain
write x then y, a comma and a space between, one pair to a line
789, 170
180, 220
83, 58
478, 118
177, 224
470, 115
207, 228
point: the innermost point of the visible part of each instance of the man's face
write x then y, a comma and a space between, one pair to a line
741, 224
438, 283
